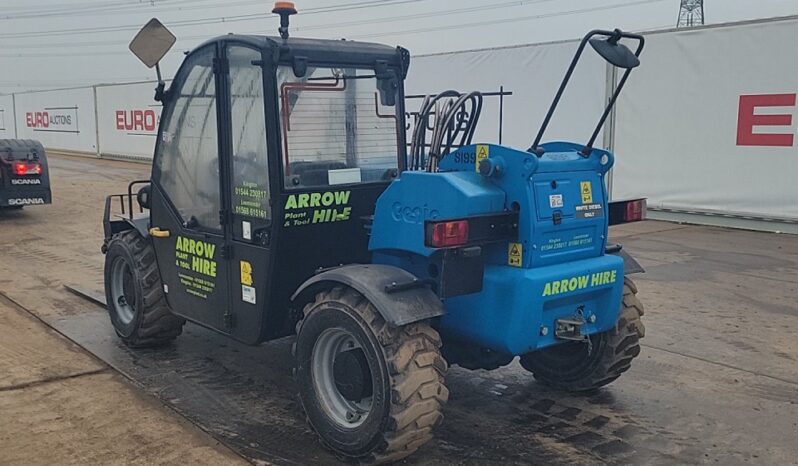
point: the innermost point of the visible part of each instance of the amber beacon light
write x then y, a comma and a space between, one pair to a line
285, 10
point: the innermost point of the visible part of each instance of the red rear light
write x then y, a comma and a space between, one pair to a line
22, 169
448, 234
635, 211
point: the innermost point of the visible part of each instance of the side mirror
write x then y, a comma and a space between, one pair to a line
152, 43
616, 53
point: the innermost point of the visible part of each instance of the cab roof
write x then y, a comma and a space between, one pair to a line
345, 52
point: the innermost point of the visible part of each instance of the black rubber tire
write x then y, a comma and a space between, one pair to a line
407, 373
153, 323
571, 367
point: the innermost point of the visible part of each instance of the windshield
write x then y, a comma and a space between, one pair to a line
335, 128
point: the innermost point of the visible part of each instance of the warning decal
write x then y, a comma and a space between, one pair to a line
587, 192
514, 252
246, 273
247, 290
483, 151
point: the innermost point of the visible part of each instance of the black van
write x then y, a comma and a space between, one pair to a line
24, 176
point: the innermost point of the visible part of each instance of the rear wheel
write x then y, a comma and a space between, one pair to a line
578, 366
134, 293
372, 392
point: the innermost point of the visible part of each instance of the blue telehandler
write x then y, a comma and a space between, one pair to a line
284, 200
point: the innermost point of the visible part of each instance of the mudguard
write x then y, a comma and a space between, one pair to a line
121, 223
630, 265
399, 296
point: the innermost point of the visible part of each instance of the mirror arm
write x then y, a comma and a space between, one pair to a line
160, 94
535, 147
613, 37
588, 149
617, 34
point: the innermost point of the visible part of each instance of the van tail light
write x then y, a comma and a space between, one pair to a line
447, 234
635, 211
24, 168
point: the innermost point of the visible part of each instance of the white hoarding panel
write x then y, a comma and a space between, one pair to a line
519, 84
60, 119
127, 117
7, 117
708, 122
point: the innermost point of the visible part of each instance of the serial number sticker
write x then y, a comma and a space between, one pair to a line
248, 294
515, 252
555, 201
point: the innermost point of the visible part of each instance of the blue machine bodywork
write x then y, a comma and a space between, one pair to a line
555, 269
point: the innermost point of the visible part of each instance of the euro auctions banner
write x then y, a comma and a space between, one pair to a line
7, 126
60, 119
708, 122
128, 117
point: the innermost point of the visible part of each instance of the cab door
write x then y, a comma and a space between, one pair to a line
249, 192
185, 218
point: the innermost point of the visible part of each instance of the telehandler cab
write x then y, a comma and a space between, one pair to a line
283, 199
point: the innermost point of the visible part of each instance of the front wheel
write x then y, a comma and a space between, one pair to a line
372, 392
134, 293
578, 366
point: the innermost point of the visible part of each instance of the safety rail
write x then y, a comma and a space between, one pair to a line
126, 209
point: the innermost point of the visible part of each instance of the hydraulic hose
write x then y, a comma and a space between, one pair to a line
456, 118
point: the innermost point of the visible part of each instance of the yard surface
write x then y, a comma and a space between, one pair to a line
716, 382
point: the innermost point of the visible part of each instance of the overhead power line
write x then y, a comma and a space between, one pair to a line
507, 20
447, 12
136, 8
210, 20
411, 31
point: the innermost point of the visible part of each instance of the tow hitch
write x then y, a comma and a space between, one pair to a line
569, 329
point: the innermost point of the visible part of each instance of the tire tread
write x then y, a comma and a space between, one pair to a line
416, 371
158, 326
623, 345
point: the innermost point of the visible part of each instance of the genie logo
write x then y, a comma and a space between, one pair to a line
415, 215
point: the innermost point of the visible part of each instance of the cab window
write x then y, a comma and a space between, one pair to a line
187, 161
250, 162
335, 128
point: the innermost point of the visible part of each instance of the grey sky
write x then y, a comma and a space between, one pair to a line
46, 44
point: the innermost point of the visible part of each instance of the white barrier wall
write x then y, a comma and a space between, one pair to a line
522, 82
127, 118
60, 119
7, 130
708, 122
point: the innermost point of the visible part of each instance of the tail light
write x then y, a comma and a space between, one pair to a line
24, 168
635, 211
447, 234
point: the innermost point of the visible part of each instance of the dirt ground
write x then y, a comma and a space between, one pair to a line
60, 405
717, 380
